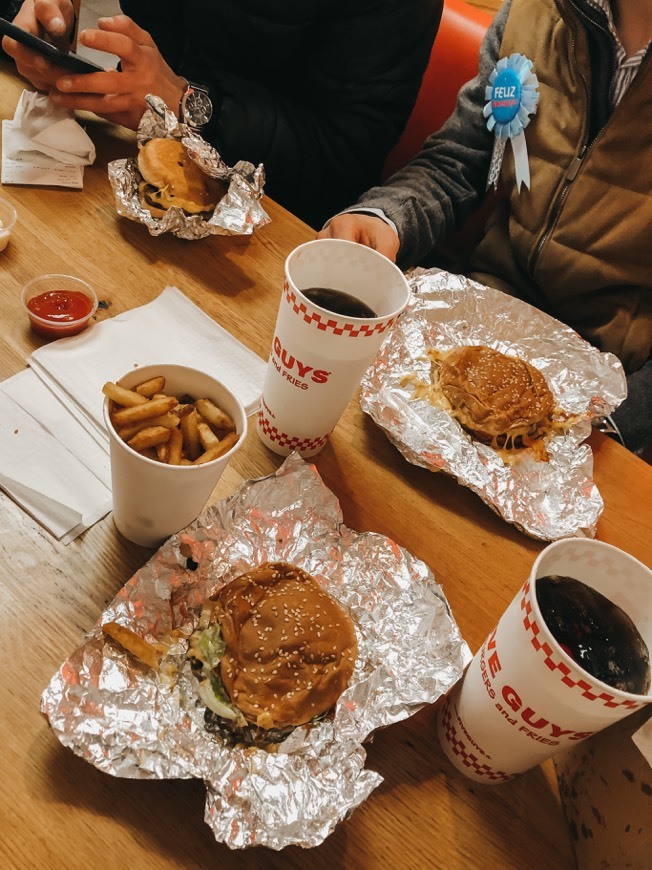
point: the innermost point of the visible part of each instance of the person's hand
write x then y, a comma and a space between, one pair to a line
119, 96
365, 229
52, 20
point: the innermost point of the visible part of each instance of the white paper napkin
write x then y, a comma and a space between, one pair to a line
171, 329
43, 474
31, 394
44, 144
42, 127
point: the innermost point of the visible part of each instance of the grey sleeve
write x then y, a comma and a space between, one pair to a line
446, 180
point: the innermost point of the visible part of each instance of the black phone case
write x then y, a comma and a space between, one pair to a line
68, 61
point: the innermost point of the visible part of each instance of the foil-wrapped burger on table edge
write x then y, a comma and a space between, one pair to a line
239, 212
131, 721
547, 500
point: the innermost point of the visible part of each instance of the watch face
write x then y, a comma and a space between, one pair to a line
197, 107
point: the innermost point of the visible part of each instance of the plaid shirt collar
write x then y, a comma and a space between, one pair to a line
626, 67
605, 7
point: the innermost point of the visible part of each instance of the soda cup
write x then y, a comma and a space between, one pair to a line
523, 697
318, 355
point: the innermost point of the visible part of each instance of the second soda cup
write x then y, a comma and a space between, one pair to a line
319, 355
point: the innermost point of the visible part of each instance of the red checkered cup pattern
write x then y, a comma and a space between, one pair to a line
318, 357
523, 698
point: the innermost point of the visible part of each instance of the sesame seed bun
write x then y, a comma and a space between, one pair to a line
290, 647
171, 177
493, 395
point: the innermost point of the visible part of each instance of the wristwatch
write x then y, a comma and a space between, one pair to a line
195, 107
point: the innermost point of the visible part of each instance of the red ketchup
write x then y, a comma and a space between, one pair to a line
61, 312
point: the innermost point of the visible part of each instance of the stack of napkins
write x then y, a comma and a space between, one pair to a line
48, 463
44, 144
54, 457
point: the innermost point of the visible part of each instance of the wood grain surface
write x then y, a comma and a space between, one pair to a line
56, 811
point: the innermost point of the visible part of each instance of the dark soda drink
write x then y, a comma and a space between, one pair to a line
597, 634
338, 302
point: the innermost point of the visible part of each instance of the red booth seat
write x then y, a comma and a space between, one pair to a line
453, 62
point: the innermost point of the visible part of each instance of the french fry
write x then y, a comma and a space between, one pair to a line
169, 420
177, 430
121, 396
175, 445
191, 442
218, 449
214, 415
132, 643
207, 437
151, 387
183, 409
162, 451
150, 437
151, 408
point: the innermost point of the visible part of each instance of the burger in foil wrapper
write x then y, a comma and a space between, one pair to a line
211, 197
436, 391
128, 700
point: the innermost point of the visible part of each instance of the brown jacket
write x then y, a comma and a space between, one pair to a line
579, 242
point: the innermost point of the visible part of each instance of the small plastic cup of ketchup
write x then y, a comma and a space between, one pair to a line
58, 305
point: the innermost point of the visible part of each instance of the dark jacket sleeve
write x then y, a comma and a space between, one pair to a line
447, 179
318, 92
634, 417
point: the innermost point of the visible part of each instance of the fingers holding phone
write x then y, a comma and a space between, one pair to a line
56, 20
52, 20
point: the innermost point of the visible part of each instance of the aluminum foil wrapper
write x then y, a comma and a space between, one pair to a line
546, 500
131, 721
238, 213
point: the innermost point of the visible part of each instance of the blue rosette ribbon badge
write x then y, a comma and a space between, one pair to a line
512, 96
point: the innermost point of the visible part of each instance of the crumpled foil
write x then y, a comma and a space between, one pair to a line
133, 722
239, 212
546, 500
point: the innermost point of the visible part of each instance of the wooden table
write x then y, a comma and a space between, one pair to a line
57, 811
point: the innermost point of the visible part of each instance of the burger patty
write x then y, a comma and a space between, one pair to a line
248, 735
150, 195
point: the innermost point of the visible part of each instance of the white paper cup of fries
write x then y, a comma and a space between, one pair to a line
167, 452
325, 341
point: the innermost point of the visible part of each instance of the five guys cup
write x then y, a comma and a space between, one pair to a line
152, 500
523, 698
318, 355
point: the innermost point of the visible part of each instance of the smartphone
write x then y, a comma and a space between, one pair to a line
68, 60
